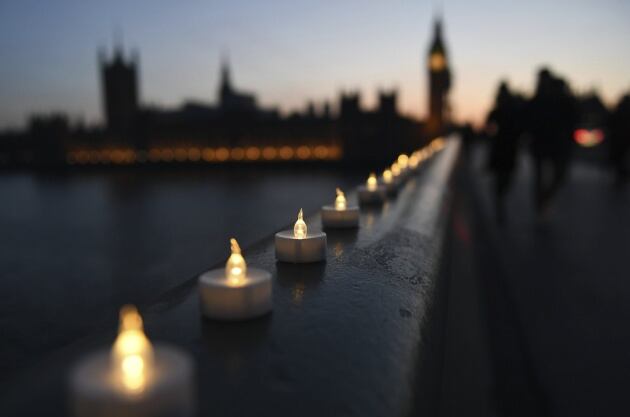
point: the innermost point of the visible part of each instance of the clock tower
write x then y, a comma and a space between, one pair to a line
439, 83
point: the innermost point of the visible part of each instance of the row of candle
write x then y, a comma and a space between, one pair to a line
136, 378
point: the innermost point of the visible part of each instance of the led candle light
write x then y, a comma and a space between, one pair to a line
372, 192
235, 292
414, 161
388, 181
403, 162
341, 215
134, 378
403, 165
395, 170
300, 246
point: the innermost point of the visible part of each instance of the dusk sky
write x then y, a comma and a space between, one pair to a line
291, 51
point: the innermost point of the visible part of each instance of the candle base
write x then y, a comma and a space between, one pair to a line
312, 248
391, 188
169, 389
368, 197
340, 219
220, 301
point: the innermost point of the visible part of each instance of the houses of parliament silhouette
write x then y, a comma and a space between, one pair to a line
237, 128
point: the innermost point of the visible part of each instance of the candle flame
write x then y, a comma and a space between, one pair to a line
387, 176
395, 169
414, 160
300, 229
340, 201
132, 353
235, 267
403, 160
371, 182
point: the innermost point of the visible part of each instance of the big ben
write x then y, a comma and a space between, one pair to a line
439, 83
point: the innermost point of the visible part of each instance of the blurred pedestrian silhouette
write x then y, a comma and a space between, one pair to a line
619, 128
552, 116
505, 126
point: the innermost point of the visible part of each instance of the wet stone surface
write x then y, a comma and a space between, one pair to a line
346, 336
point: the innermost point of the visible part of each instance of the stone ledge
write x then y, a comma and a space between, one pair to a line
346, 337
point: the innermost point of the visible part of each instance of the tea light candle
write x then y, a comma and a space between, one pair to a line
403, 161
372, 192
134, 378
414, 161
300, 246
341, 215
236, 292
388, 181
396, 172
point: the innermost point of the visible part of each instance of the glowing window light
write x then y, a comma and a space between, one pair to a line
387, 176
286, 152
207, 154
117, 156
194, 154
321, 152
132, 353
588, 138
403, 161
222, 154
371, 182
334, 152
303, 152
395, 169
181, 155
167, 155
437, 62
154, 155
237, 153
252, 153
235, 267
300, 229
269, 153
340, 200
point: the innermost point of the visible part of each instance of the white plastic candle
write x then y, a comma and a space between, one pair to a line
403, 161
135, 378
371, 192
340, 215
414, 161
398, 173
300, 246
236, 292
391, 185
395, 169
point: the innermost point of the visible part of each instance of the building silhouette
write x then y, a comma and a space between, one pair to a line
232, 129
231, 100
439, 83
119, 87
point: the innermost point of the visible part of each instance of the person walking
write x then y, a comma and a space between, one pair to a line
505, 127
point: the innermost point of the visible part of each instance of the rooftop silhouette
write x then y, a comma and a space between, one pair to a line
235, 128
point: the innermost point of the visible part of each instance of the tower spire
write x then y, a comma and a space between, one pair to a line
118, 40
225, 71
439, 81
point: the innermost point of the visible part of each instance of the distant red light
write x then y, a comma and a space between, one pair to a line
588, 137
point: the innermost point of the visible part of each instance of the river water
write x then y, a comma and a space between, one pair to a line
74, 248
